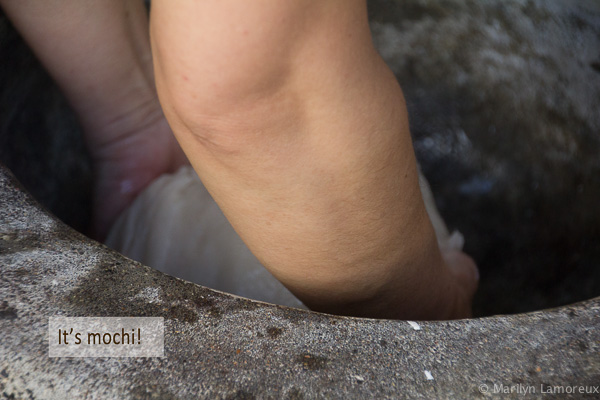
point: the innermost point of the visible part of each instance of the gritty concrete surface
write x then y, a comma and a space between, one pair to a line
221, 347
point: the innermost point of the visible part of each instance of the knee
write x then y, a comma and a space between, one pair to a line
239, 65
218, 66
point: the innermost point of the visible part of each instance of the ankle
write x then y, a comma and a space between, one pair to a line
131, 116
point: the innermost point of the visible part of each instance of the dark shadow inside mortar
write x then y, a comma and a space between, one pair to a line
504, 101
526, 204
40, 139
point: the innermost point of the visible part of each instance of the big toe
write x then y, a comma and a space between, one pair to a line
466, 273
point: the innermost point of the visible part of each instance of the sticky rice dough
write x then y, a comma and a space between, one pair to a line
176, 227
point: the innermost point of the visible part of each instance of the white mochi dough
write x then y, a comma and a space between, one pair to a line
176, 227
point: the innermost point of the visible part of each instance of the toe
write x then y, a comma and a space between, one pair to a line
466, 273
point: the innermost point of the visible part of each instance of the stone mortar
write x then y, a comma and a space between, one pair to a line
478, 77
219, 346
503, 98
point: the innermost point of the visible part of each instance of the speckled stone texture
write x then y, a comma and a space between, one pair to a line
220, 346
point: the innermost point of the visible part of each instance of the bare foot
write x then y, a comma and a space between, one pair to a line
128, 154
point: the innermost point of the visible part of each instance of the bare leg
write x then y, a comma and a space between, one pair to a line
99, 54
299, 130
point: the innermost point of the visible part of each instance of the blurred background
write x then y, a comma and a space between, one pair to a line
504, 103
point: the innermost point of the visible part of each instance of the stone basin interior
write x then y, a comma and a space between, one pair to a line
504, 102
